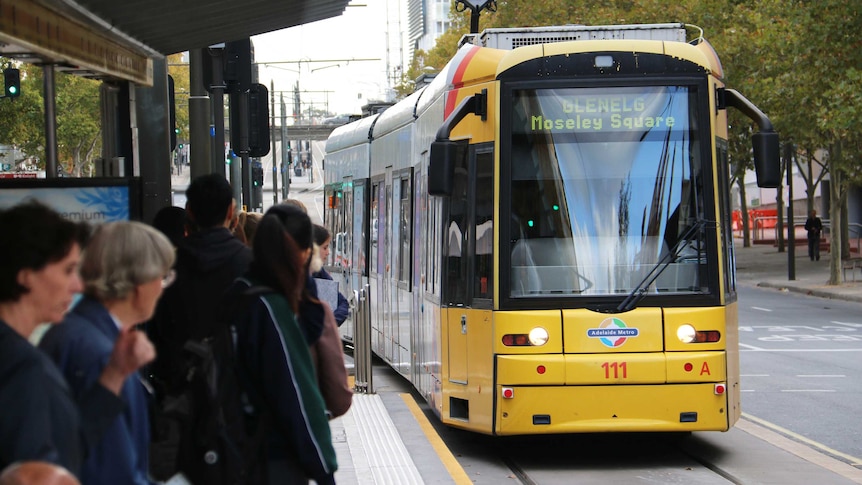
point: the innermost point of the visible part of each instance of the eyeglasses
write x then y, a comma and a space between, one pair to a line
169, 278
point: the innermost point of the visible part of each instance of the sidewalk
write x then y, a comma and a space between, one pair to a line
762, 265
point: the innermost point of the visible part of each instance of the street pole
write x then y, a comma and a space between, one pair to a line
217, 88
272, 137
199, 117
285, 150
791, 233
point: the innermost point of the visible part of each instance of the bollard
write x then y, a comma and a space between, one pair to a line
362, 344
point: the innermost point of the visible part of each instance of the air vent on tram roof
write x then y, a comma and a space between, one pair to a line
512, 38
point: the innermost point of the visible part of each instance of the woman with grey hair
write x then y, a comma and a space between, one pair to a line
40, 419
124, 269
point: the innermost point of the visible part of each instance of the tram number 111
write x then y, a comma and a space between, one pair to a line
615, 370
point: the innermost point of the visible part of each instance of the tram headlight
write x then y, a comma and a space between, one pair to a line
686, 333
538, 336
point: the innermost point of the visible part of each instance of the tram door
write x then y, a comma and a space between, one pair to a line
417, 354
389, 282
394, 271
342, 242
377, 269
402, 218
359, 237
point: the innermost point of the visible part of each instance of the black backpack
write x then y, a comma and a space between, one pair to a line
204, 425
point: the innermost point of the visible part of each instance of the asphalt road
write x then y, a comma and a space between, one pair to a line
801, 358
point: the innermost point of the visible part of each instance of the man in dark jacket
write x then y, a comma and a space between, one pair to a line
208, 260
814, 226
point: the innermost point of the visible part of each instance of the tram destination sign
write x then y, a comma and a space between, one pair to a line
591, 111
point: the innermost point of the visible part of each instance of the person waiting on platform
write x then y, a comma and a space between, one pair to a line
272, 348
323, 239
125, 268
41, 419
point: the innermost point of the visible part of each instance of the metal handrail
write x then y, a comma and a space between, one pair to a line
362, 343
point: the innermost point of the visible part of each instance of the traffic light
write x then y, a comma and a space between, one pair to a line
258, 123
257, 174
12, 82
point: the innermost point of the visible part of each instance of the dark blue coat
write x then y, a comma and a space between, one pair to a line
40, 419
341, 311
81, 347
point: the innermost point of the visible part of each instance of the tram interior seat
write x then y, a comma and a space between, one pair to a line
544, 266
682, 273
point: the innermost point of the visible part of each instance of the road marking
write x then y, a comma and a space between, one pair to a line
772, 433
820, 375
750, 347
808, 390
452, 466
761, 309
855, 325
754, 375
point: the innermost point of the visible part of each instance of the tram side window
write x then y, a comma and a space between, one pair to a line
434, 222
457, 257
343, 257
724, 216
406, 225
484, 226
375, 214
359, 239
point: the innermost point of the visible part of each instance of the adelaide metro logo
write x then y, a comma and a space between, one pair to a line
612, 332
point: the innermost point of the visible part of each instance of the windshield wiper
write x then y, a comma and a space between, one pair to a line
640, 290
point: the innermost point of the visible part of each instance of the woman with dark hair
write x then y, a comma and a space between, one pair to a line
273, 355
323, 239
42, 419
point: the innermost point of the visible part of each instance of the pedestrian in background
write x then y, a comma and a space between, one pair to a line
124, 269
814, 226
272, 351
171, 221
41, 418
252, 219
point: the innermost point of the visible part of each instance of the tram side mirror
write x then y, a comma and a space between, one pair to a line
441, 167
767, 165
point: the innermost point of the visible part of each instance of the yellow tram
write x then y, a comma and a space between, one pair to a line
544, 231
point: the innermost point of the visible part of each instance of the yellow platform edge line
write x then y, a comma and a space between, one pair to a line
452, 466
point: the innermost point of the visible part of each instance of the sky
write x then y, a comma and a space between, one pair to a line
340, 63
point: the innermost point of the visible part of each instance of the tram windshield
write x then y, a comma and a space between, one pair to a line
606, 185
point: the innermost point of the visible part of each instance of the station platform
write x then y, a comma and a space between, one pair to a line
386, 438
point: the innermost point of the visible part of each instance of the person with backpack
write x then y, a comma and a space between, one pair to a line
125, 268
278, 373
188, 331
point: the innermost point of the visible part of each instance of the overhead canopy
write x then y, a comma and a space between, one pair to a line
119, 38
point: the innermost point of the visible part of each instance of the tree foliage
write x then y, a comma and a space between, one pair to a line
798, 61
22, 120
179, 71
